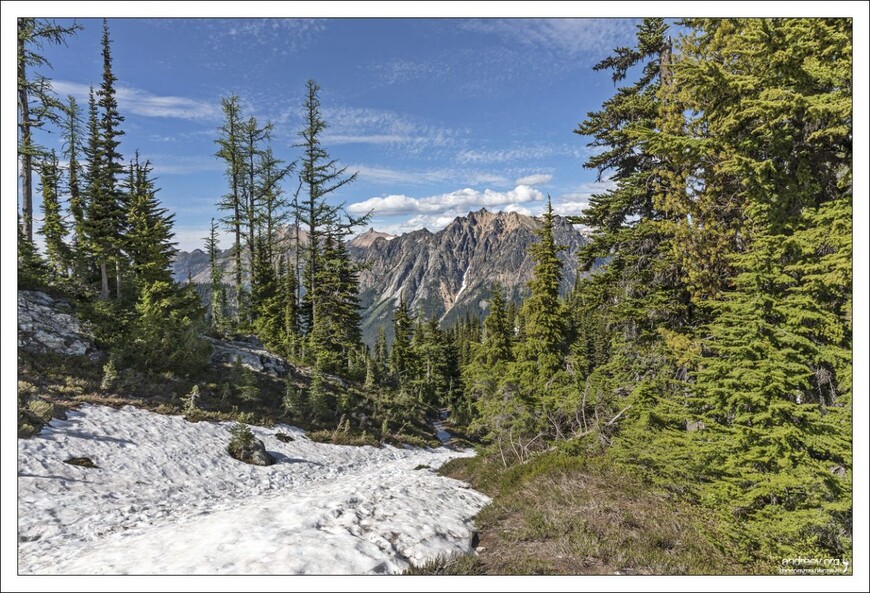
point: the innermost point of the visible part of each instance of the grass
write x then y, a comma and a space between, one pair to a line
558, 514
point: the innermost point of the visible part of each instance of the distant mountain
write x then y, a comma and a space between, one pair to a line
443, 274
448, 273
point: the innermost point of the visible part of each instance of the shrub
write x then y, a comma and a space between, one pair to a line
241, 438
110, 375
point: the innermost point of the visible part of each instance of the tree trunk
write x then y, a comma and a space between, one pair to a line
104, 274
118, 279
26, 160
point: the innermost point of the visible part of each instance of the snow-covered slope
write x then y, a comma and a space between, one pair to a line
168, 499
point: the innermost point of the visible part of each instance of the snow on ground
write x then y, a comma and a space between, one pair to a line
167, 498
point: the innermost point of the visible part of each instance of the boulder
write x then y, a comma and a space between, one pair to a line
46, 324
251, 354
254, 453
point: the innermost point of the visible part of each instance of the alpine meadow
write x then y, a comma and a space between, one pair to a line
261, 331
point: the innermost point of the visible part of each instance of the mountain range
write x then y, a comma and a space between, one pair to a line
442, 275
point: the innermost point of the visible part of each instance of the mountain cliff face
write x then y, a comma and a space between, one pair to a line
443, 274
449, 273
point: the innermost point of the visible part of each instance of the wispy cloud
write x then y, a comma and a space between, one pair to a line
565, 37
460, 200
535, 179
524, 152
141, 102
173, 164
401, 70
356, 125
459, 175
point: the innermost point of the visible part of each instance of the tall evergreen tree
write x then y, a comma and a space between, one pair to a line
99, 231
545, 326
111, 167
498, 335
72, 136
401, 355
54, 229
148, 240
231, 151
218, 294
37, 104
321, 176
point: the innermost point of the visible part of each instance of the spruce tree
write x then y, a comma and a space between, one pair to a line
72, 136
545, 327
97, 227
148, 241
54, 229
401, 356
217, 303
498, 336
111, 168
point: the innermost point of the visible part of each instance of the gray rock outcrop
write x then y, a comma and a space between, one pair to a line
251, 354
46, 324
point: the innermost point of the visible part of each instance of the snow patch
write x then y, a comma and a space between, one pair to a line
168, 499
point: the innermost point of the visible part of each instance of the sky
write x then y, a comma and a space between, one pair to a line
439, 117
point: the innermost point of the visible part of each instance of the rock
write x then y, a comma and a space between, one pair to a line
694, 425
284, 437
46, 324
251, 354
81, 462
254, 453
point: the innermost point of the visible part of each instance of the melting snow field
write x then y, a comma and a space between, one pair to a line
168, 499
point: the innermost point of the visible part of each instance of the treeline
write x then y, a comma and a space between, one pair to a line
111, 247
712, 351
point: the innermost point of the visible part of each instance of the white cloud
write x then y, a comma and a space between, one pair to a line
535, 179
459, 200
141, 102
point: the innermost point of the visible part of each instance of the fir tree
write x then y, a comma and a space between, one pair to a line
148, 241
545, 322
54, 228
217, 304
72, 136
111, 168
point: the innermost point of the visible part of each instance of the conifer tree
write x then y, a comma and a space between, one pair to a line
97, 228
218, 294
148, 241
497, 336
401, 355
321, 176
545, 327
72, 136
231, 151
37, 104
54, 229
111, 169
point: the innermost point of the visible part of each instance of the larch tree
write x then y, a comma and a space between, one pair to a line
37, 104
231, 151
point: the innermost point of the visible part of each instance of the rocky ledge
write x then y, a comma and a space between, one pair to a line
46, 324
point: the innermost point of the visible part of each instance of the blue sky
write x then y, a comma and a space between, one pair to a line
438, 116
